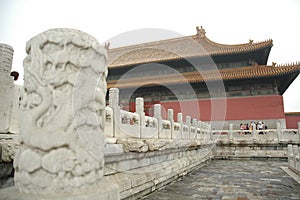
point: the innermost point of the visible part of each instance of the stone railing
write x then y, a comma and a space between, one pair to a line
272, 136
271, 143
294, 158
122, 125
138, 126
134, 132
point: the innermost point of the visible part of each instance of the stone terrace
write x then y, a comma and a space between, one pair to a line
233, 179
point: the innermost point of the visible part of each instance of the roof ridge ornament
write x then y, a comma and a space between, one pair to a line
200, 31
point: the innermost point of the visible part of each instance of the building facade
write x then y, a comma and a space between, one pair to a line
215, 82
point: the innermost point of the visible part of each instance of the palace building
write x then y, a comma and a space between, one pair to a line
193, 74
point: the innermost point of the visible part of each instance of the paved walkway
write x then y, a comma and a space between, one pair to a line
233, 179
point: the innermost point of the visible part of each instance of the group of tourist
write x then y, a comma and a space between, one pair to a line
256, 125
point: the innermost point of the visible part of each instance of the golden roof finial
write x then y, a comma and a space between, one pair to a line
200, 31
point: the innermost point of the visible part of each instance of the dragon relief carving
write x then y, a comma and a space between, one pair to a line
63, 113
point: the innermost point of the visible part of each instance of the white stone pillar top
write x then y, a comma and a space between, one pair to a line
6, 58
114, 90
171, 115
179, 117
188, 120
113, 97
139, 105
157, 111
194, 122
278, 125
199, 123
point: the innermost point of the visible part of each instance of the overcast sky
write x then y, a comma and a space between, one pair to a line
229, 22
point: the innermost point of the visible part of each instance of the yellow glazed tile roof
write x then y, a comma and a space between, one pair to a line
177, 48
248, 72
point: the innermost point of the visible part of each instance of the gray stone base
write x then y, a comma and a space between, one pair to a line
106, 191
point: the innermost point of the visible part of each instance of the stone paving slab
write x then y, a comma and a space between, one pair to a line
233, 179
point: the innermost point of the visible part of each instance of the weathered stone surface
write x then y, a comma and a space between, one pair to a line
105, 191
29, 161
138, 173
14, 126
113, 149
58, 160
133, 145
6, 58
6, 86
63, 114
155, 145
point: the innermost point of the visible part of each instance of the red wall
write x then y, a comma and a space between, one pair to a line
292, 121
237, 108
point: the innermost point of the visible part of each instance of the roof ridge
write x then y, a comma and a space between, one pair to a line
152, 43
196, 39
183, 47
251, 42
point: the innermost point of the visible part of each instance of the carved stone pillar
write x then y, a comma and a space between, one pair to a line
171, 115
188, 123
279, 132
6, 86
254, 133
290, 155
199, 136
194, 124
230, 133
179, 118
171, 119
296, 156
209, 133
157, 115
114, 104
139, 105
139, 109
113, 97
180, 121
61, 151
157, 111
